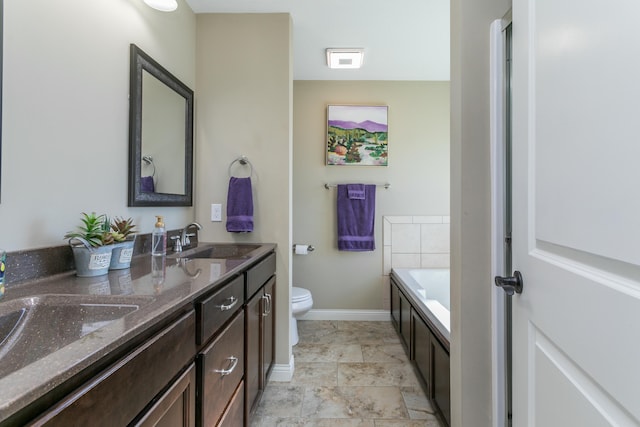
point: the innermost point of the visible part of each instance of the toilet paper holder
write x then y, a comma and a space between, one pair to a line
310, 248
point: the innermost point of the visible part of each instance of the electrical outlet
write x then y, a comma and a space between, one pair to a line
216, 212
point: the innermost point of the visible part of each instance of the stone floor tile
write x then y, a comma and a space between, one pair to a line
354, 402
323, 374
281, 401
417, 403
385, 353
376, 374
305, 422
407, 423
313, 352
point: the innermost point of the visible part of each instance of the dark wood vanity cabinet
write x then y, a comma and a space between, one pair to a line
259, 333
207, 366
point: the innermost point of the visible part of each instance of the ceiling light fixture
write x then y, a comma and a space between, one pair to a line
163, 5
345, 58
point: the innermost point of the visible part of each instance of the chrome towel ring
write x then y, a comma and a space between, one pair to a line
243, 160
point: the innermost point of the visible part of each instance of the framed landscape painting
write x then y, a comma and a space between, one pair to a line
357, 135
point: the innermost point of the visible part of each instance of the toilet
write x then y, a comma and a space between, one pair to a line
301, 303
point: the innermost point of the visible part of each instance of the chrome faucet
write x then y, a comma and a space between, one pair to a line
185, 240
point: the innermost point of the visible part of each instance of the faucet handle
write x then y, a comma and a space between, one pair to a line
177, 244
187, 240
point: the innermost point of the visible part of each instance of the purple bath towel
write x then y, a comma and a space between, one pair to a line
146, 184
356, 214
239, 205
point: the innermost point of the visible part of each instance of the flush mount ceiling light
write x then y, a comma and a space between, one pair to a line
163, 5
345, 58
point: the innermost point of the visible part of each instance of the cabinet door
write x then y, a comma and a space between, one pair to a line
441, 380
268, 330
253, 314
395, 305
421, 345
177, 406
405, 321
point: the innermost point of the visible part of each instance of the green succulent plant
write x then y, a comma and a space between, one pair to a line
92, 230
122, 228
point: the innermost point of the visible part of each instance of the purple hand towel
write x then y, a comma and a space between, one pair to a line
239, 205
356, 214
146, 184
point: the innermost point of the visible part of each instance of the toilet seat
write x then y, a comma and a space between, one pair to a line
299, 294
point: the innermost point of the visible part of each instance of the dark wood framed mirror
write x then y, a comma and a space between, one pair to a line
160, 135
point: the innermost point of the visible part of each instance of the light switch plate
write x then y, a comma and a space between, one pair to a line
216, 212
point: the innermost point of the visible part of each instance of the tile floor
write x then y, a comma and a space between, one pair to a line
348, 374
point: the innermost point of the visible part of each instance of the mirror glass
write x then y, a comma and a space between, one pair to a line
161, 135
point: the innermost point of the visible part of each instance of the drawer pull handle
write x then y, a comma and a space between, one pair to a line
233, 301
232, 366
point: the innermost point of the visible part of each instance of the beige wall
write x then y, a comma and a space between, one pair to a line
243, 107
418, 172
471, 281
66, 111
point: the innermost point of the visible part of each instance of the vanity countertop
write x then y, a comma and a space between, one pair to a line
83, 322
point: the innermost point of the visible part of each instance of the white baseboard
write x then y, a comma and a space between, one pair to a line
361, 315
282, 373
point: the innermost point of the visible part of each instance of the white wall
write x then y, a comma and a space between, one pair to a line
243, 107
418, 172
471, 282
65, 111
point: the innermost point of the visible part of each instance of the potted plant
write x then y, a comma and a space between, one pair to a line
124, 239
91, 245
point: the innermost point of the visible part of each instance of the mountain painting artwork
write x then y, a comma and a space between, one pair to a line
357, 135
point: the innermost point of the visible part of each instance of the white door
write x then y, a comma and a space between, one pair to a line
576, 212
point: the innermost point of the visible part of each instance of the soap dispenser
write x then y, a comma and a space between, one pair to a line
159, 238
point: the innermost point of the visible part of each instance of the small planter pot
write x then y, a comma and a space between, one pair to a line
90, 261
122, 254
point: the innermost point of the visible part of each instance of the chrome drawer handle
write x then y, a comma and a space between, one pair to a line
232, 366
233, 300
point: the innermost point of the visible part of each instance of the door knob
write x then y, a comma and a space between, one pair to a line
511, 284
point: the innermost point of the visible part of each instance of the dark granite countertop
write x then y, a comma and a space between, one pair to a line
122, 306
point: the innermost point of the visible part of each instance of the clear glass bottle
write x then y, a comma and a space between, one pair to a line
159, 238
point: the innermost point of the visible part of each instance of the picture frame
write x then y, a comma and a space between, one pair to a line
357, 135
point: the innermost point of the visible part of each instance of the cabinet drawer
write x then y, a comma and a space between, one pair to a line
221, 367
215, 310
259, 274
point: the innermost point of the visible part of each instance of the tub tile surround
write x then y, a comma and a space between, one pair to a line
369, 384
417, 241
